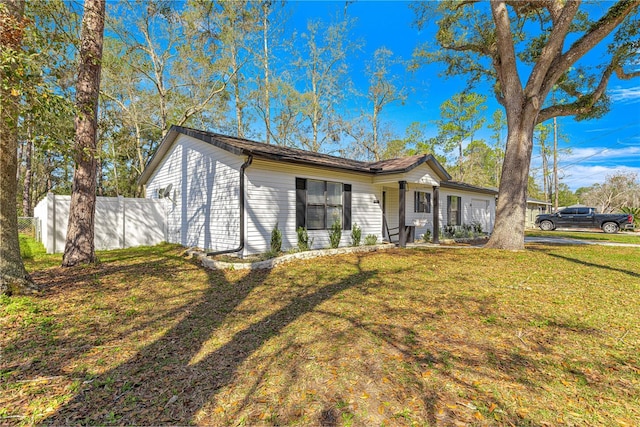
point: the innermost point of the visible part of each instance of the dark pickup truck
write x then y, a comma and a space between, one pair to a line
583, 217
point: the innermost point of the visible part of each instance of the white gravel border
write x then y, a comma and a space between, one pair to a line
270, 263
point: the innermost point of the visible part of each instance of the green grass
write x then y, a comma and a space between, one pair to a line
430, 336
621, 237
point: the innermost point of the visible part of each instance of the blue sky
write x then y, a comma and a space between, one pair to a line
598, 147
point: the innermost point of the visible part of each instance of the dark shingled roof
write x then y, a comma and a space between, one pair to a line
241, 146
457, 185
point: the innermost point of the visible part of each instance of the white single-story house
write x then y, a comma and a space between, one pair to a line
227, 194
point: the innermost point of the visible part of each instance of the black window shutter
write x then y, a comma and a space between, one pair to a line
301, 202
427, 202
459, 213
416, 201
449, 222
346, 206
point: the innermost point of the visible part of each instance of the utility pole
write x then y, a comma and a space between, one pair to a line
555, 164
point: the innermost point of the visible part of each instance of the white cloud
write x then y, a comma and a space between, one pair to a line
595, 154
578, 176
625, 95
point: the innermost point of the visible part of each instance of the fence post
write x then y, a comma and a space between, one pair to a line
121, 205
53, 220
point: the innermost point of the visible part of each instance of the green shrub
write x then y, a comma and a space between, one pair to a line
335, 234
356, 235
449, 231
427, 236
371, 240
304, 244
276, 240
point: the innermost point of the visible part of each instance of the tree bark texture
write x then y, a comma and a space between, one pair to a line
79, 246
28, 175
14, 279
508, 232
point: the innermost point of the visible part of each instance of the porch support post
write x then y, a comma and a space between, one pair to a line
402, 235
436, 215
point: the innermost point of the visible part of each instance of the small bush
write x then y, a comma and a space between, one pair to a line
371, 240
448, 231
427, 236
335, 234
304, 244
356, 235
276, 240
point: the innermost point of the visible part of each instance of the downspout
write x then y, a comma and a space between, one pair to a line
240, 247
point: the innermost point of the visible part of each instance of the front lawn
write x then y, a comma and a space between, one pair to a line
621, 237
431, 336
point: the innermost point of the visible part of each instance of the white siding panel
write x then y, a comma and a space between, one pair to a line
469, 199
422, 174
204, 202
271, 199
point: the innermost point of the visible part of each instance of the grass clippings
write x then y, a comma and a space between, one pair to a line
427, 336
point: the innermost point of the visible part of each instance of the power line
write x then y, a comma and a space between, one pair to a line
564, 167
595, 138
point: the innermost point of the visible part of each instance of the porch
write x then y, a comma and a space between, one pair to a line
409, 210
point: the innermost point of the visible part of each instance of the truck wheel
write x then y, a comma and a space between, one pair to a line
546, 226
610, 227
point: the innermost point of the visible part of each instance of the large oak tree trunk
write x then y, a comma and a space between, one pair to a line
14, 279
80, 247
508, 232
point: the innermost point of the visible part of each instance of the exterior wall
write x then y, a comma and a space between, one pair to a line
420, 220
203, 206
119, 222
533, 210
391, 205
271, 199
469, 213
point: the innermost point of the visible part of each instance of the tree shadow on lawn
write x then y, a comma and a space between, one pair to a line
170, 380
52, 334
586, 263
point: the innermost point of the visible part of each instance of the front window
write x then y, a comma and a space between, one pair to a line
454, 210
324, 204
422, 202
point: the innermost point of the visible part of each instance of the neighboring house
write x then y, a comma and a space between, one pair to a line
535, 207
227, 194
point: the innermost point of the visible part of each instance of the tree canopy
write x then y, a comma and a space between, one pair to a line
526, 51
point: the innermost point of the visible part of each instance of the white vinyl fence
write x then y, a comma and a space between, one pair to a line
119, 222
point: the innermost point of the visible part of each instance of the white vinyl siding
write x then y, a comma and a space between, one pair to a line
271, 199
204, 204
474, 206
421, 174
